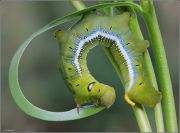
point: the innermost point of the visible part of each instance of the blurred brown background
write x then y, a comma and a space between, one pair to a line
39, 77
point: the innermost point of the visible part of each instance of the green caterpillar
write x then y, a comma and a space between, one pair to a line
127, 50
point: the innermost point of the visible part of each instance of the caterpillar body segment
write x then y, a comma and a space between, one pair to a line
114, 33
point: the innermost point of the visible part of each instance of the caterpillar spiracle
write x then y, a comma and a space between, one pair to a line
127, 50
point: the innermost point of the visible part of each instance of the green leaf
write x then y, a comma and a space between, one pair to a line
15, 89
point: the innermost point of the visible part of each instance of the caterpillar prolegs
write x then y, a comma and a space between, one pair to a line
127, 50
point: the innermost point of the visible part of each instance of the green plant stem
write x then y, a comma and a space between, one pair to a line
158, 108
142, 119
150, 19
149, 67
139, 111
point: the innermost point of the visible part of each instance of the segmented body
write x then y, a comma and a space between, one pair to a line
103, 35
126, 49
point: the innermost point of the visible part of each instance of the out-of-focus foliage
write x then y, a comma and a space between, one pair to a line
39, 77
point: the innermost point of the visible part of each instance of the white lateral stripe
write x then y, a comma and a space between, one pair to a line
120, 47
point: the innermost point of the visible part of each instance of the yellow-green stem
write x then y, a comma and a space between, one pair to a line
142, 118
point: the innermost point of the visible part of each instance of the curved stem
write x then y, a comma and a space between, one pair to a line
79, 5
161, 64
21, 100
15, 89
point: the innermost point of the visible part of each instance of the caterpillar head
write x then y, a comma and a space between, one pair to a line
95, 92
108, 97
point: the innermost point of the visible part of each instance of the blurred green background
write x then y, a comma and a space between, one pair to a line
39, 77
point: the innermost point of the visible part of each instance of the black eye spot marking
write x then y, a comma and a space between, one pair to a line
110, 28
87, 29
69, 68
77, 85
70, 47
141, 83
90, 86
59, 30
137, 65
127, 43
